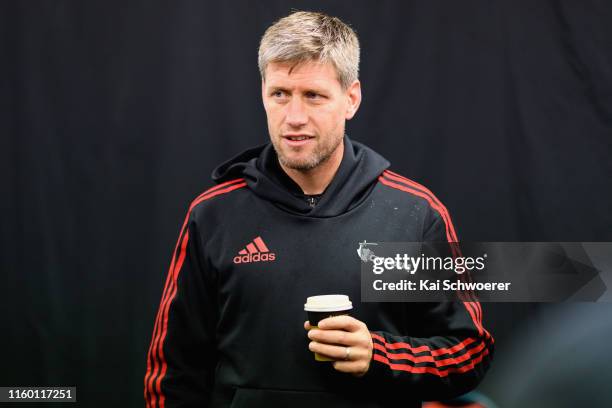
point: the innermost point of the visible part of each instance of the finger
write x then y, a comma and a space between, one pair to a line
331, 351
307, 325
339, 337
343, 322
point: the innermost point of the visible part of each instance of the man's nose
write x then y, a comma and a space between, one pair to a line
296, 113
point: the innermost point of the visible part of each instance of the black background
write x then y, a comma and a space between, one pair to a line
114, 113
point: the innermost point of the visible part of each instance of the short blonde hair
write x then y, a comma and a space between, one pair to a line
311, 36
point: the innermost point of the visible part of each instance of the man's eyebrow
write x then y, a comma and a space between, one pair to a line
274, 88
317, 90
311, 89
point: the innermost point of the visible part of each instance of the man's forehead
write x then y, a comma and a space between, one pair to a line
302, 73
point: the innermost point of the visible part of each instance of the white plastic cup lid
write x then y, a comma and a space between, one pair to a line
327, 303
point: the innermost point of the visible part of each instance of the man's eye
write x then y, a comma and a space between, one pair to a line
278, 94
312, 95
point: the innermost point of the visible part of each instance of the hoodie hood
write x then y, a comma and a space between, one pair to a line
259, 166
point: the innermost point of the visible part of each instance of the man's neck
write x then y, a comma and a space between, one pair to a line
315, 181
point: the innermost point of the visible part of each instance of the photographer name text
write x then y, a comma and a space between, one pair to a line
437, 285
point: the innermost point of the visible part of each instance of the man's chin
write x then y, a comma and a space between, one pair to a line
297, 159
298, 164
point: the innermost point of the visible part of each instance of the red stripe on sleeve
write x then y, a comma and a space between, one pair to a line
421, 194
155, 353
425, 348
472, 308
476, 313
395, 176
429, 358
432, 370
413, 183
165, 321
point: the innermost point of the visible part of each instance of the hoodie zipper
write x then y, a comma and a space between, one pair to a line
312, 201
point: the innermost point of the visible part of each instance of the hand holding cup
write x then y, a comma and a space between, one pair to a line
340, 338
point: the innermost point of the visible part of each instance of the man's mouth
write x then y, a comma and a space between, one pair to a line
298, 137
297, 140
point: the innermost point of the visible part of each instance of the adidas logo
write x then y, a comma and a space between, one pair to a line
256, 251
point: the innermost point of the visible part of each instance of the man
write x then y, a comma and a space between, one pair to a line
283, 223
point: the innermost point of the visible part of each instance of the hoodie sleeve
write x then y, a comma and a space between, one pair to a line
449, 357
182, 358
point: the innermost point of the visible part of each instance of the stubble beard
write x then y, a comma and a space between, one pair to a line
321, 153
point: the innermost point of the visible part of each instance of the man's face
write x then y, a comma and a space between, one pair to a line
306, 109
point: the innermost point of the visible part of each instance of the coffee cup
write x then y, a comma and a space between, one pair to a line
324, 306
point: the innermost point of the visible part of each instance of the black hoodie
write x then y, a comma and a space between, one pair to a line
229, 330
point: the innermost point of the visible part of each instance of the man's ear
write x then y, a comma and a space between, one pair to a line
353, 93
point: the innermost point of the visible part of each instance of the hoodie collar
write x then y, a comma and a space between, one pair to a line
357, 173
